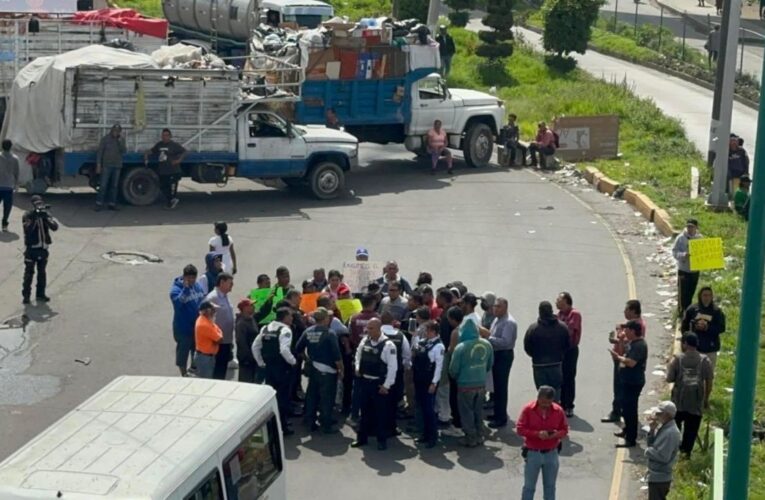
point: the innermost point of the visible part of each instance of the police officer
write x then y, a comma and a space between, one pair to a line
272, 350
376, 370
403, 362
427, 363
38, 223
325, 367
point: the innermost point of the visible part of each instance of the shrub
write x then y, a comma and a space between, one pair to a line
497, 44
568, 24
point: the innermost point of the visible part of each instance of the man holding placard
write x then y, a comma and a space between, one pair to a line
687, 279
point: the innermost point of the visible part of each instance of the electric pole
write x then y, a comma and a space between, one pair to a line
722, 104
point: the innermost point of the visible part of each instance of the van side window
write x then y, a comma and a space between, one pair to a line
210, 489
250, 470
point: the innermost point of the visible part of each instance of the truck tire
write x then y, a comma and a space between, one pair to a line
326, 180
139, 186
479, 144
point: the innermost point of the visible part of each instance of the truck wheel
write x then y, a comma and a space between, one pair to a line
327, 180
479, 144
140, 186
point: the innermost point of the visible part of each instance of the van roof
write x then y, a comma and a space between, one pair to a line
138, 438
289, 5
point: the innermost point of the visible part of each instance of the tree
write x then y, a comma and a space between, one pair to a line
460, 11
413, 9
568, 25
497, 43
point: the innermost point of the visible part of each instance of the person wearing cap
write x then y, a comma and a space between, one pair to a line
395, 304
37, 224
546, 343
738, 163
246, 330
693, 375
427, 364
542, 424
376, 368
362, 254
573, 320
663, 444
9, 180
502, 337
488, 299
390, 274
741, 197
207, 337
272, 350
403, 362
324, 370
109, 167
631, 379
687, 280
224, 318
446, 49
186, 294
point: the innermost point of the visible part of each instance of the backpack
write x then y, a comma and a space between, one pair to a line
689, 390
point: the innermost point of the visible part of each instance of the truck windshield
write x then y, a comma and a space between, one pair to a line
432, 88
309, 21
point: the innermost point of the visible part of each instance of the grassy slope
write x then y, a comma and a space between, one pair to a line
656, 158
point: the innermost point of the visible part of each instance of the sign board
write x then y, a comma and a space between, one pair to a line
39, 6
359, 274
706, 254
587, 137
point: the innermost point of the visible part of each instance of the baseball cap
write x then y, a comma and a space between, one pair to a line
489, 297
362, 252
244, 303
745, 178
321, 313
36, 199
666, 407
207, 305
343, 289
117, 126
692, 222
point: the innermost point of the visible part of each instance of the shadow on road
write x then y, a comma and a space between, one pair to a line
579, 425
570, 448
482, 459
386, 463
9, 236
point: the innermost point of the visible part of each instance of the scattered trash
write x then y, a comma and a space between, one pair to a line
531, 231
729, 390
664, 293
84, 361
517, 214
659, 373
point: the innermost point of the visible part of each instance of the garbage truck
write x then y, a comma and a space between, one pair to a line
62, 106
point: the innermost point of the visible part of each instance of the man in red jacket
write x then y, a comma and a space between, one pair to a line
543, 425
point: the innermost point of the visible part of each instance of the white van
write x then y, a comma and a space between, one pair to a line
304, 13
148, 438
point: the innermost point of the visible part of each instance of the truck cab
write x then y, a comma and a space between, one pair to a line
303, 13
309, 156
471, 119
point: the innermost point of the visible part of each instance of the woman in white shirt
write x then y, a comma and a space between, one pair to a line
224, 245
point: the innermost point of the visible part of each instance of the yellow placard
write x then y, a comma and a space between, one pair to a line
706, 254
347, 308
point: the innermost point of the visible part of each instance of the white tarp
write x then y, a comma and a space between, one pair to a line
34, 120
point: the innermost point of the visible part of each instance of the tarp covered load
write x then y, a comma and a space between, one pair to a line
33, 120
126, 18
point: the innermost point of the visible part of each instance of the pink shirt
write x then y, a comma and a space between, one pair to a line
546, 138
436, 140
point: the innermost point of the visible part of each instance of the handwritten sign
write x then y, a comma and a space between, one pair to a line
347, 308
308, 302
706, 253
359, 274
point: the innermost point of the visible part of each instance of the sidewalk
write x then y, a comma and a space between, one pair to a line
702, 17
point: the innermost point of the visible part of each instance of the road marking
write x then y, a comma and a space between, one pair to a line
616, 477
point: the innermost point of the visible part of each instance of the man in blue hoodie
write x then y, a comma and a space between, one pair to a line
213, 267
471, 360
186, 294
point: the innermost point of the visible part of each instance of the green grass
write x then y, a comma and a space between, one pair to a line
656, 159
151, 8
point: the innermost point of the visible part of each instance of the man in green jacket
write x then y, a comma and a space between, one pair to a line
471, 360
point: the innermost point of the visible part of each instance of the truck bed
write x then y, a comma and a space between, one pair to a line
198, 106
18, 47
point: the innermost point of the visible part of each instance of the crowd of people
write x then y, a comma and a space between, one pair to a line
439, 354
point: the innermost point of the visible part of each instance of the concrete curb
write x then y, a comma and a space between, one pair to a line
677, 74
642, 203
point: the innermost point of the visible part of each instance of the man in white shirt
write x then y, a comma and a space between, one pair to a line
376, 368
427, 364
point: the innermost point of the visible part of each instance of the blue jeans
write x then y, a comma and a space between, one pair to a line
205, 365
446, 65
548, 464
6, 197
110, 178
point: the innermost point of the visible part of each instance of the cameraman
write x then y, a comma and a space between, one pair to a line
38, 224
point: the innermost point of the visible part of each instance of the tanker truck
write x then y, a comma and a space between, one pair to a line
226, 26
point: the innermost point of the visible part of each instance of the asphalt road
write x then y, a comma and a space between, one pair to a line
488, 227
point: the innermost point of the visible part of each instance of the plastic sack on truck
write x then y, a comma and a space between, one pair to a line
423, 56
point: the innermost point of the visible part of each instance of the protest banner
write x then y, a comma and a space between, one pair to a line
347, 308
706, 254
359, 274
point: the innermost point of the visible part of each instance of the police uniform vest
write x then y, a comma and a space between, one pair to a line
398, 340
319, 346
423, 368
271, 349
372, 364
